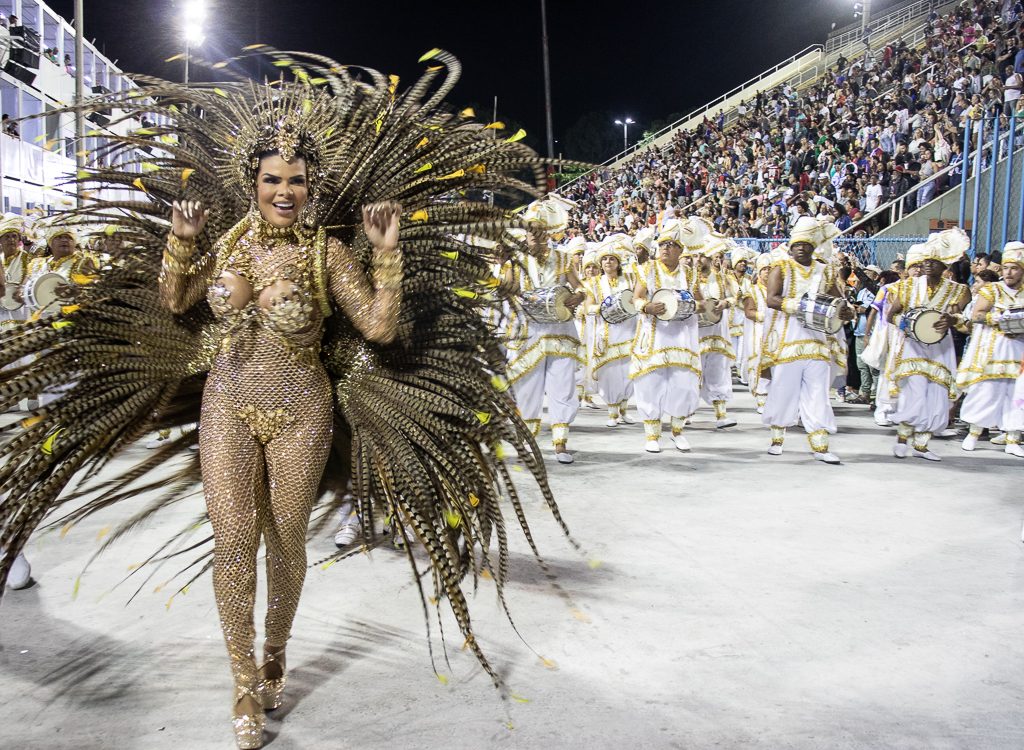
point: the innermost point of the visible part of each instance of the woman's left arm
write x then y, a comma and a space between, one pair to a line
371, 302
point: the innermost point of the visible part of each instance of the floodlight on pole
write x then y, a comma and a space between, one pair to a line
625, 131
192, 20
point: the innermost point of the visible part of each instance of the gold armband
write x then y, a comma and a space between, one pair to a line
992, 319
179, 254
387, 269
180, 249
641, 306
759, 317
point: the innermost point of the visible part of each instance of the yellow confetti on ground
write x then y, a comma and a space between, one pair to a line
580, 615
548, 663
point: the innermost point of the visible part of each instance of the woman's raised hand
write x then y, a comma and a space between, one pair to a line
188, 219
381, 223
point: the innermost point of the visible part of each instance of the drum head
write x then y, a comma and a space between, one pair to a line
669, 300
833, 324
627, 302
7, 301
562, 311
924, 327
43, 289
708, 314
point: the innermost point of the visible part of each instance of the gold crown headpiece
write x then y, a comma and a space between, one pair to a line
293, 120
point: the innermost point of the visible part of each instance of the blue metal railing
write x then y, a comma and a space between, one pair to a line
995, 146
880, 251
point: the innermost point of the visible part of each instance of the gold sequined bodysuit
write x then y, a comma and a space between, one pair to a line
266, 420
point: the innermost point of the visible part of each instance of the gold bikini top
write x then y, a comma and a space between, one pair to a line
250, 256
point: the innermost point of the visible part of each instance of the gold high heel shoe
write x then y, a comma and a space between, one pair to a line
269, 690
248, 727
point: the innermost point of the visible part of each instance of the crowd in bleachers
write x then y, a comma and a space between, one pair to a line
865, 133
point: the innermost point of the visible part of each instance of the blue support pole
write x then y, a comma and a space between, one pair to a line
965, 158
1008, 183
1020, 213
993, 164
979, 147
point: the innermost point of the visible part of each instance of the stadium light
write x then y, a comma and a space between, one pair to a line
625, 131
192, 20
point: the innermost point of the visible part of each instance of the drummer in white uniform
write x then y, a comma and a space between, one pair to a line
799, 357
741, 257
63, 258
543, 356
14, 271
586, 324
989, 368
610, 302
665, 364
921, 366
755, 309
719, 290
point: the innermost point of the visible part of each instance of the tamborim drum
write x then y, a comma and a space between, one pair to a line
618, 307
820, 312
708, 314
679, 303
12, 285
41, 291
1011, 322
547, 305
918, 324
7, 301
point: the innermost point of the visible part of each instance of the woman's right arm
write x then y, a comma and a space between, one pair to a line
183, 277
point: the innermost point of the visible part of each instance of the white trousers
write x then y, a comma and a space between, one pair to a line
666, 390
556, 377
922, 404
613, 383
716, 378
799, 390
989, 404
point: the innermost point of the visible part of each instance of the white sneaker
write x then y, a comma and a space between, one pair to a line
725, 422
591, 405
882, 421
1014, 450
774, 450
20, 574
348, 532
760, 409
564, 458
949, 432
681, 443
611, 422
901, 450
999, 439
652, 446
927, 455
970, 442
626, 419
827, 457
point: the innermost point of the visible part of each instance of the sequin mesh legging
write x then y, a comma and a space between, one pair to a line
265, 433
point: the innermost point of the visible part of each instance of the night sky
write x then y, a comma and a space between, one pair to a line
647, 60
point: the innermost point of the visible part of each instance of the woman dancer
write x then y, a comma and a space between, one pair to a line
318, 196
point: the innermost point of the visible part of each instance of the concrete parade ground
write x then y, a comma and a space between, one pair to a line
727, 599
